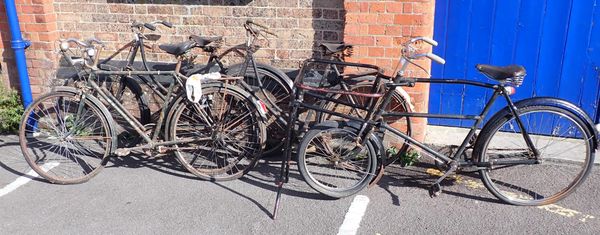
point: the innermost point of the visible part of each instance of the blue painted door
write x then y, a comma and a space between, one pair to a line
558, 42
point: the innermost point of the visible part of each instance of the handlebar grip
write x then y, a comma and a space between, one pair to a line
430, 41
150, 26
435, 58
167, 23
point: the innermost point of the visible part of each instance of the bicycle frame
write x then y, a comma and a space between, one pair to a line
372, 121
151, 141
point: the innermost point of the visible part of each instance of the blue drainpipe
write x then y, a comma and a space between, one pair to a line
19, 45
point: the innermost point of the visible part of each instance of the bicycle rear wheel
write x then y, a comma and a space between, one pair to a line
331, 163
65, 139
274, 92
227, 130
515, 175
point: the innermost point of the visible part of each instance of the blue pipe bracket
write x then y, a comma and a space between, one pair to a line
18, 44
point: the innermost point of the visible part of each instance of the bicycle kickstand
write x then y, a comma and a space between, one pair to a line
435, 189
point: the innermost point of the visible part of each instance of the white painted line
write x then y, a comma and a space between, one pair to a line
26, 178
354, 215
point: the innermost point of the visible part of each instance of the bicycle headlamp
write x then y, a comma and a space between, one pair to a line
64, 46
91, 52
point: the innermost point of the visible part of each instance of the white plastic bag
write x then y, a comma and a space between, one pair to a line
193, 85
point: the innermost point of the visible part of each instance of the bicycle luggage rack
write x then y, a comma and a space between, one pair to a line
319, 89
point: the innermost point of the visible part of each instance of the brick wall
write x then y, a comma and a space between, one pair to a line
38, 24
300, 24
377, 28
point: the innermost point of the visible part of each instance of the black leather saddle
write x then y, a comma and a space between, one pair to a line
502, 73
204, 41
177, 49
331, 48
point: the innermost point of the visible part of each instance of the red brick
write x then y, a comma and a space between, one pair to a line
394, 7
48, 37
393, 30
393, 52
377, 7
407, 8
352, 6
367, 18
376, 52
361, 40
364, 7
385, 18
383, 41
376, 29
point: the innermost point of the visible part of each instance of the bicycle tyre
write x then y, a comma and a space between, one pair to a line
54, 118
213, 157
342, 138
533, 184
275, 92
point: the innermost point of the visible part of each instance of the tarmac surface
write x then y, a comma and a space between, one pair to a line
138, 194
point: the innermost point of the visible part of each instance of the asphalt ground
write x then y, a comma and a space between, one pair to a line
140, 195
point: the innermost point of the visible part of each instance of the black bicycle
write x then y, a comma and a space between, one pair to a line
532, 152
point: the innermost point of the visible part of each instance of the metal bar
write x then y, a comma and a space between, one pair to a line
430, 115
19, 45
416, 142
402, 82
129, 73
314, 107
137, 126
327, 98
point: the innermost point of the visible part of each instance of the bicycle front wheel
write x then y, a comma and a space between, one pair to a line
225, 133
400, 123
331, 163
64, 138
515, 175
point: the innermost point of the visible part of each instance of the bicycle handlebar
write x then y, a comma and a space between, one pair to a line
435, 58
263, 28
425, 39
151, 25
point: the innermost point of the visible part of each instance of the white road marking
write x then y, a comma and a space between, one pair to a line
26, 178
354, 215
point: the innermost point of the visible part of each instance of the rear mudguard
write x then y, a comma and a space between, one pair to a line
283, 78
555, 102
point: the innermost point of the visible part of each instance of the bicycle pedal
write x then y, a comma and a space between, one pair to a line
435, 190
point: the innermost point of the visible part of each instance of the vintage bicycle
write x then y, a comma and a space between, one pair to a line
68, 135
534, 138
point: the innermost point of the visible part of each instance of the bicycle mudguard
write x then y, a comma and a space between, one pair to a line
100, 106
275, 71
555, 102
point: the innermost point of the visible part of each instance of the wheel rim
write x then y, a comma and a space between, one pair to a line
332, 162
61, 145
565, 150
